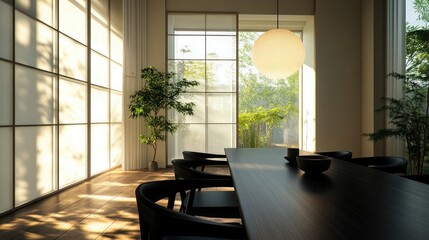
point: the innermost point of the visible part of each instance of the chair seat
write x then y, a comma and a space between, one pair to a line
219, 203
213, 204
384, 163
392, 168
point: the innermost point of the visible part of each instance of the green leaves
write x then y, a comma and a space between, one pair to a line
264, 103
422, 8
255, 126
409, 115
159, 94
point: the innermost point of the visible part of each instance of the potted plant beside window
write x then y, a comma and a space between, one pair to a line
409, 115
159, 94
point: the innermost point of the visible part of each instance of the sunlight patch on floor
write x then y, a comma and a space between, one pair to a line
108, 198
30, 235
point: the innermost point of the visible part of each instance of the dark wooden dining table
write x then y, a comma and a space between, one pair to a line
348, 201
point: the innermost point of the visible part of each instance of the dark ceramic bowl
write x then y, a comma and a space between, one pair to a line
313, 164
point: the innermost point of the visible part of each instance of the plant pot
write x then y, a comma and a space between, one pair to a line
153, 166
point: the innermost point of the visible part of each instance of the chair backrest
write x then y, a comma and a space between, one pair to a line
187, 169
157, 221
384, 163
191, 155
209, 157
337, 154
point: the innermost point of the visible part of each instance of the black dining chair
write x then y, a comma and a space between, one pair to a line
216, 203
384, 163
337, 154
423, 178
215, 159
158, 221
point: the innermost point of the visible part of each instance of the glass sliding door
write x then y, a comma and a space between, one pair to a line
203, 47
6, 106
60, 95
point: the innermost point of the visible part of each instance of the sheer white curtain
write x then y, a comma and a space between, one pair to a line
134, 60
395, 61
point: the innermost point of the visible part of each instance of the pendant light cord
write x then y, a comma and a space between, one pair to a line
277, 14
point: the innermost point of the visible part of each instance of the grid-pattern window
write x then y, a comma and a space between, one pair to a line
60, 94
203, 47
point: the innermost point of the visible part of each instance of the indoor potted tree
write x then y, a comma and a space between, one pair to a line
409, 115
159, 94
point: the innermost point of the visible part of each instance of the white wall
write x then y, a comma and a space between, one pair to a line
373, 73
367, 73
338, 75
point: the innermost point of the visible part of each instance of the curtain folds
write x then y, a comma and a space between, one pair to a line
134, 60
395, 61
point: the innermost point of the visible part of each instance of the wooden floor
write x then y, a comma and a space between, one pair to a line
102, 208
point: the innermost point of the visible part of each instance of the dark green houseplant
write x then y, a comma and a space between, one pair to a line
409, 115
160, 93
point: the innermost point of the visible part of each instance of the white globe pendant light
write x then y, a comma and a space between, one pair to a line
278, 53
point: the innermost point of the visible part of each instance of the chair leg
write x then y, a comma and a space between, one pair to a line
183, 205
171, 200
190, 202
